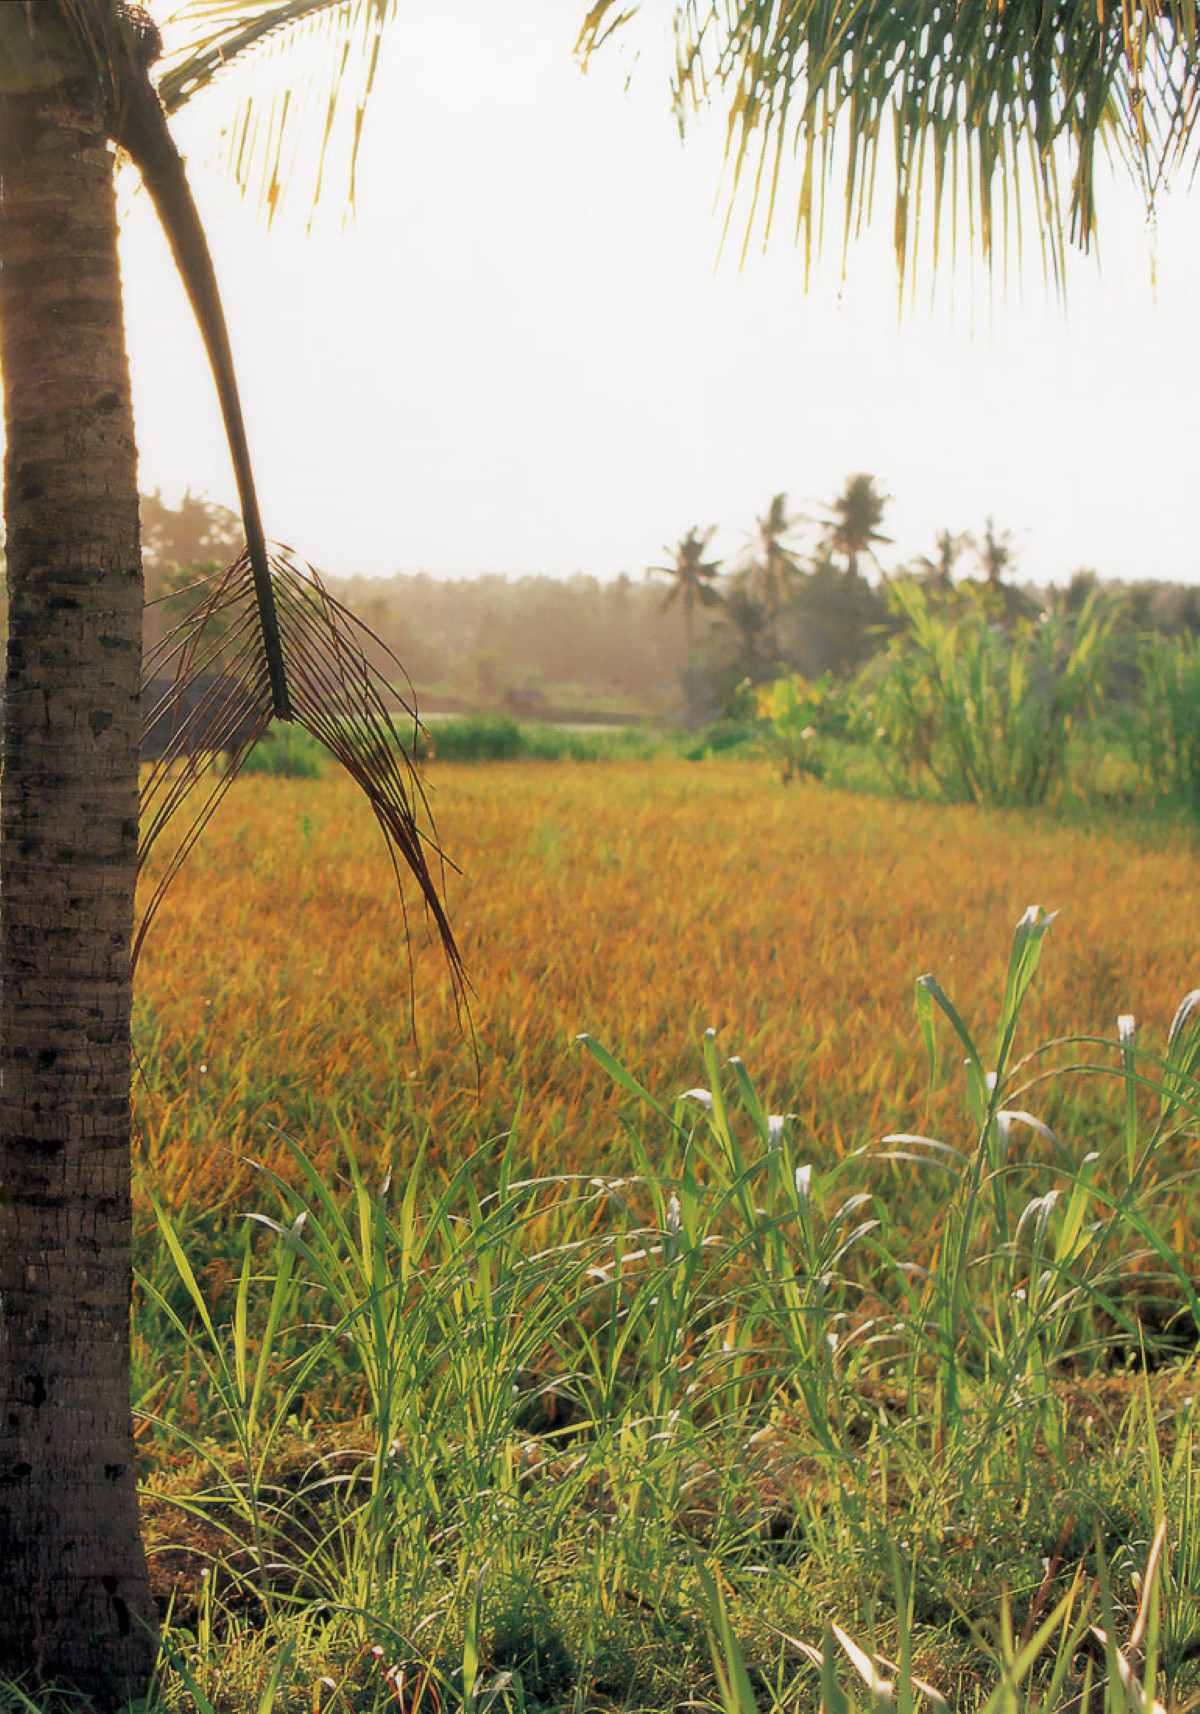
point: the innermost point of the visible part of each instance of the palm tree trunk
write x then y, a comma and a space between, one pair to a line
74, 1597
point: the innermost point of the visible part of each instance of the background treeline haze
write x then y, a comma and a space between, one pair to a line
573, 647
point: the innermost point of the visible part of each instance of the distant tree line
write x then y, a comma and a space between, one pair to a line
527, 645
808, 595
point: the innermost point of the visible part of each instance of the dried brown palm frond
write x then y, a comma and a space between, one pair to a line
214, 702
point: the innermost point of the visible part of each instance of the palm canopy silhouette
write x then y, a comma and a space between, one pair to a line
693, 578
854, 519
938, 568
693, 584
772, 567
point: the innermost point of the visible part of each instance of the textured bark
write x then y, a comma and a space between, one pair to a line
74, 1598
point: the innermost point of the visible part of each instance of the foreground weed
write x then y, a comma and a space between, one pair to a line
1026, 1280
1167, 733
587, 1439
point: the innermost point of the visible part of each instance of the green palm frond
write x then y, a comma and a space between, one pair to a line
978, 103
315, 65
218, 701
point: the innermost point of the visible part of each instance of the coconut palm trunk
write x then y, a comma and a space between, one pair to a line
75, 1603
689, 671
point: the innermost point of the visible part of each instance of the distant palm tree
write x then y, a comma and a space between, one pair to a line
693, 584
854, 521
746, 622
996, 554
772, 566
938, 568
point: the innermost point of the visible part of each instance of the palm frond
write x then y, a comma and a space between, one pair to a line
141, 126
315, 65
991, 98
217, 701
603, 19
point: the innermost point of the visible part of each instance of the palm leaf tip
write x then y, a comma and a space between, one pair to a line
207, 692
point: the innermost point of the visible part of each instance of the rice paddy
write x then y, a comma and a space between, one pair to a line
550, 1379
643, 904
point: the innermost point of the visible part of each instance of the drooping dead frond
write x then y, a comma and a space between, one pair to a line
207, 701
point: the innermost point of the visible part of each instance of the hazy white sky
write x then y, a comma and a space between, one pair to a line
524, 355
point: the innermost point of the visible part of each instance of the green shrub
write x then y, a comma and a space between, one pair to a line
1167, 732
797, 716
981, 710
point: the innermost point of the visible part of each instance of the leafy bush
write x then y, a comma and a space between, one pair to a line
797, 715
475, 738
1167, 733
730, 739
983, 709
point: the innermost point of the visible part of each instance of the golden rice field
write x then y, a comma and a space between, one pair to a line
642, 903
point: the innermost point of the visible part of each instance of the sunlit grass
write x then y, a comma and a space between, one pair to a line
536, 1386
641, 903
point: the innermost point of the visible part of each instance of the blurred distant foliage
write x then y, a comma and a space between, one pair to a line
183, 546
196, 535
981, 708
941, 677
1168, 719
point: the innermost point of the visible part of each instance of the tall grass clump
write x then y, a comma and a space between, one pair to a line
738, 1423
981, 708
1026, 1280
1167, 728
